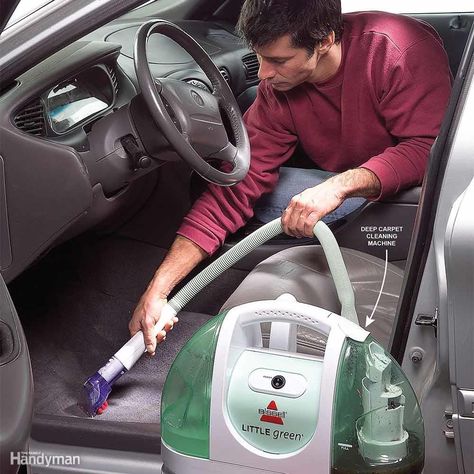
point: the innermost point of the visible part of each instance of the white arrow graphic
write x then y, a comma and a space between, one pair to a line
368, 319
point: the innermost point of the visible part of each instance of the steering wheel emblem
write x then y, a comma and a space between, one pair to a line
197, 98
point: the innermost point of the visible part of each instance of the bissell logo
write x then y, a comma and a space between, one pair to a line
271, 414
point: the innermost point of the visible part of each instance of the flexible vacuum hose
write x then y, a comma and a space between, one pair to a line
257, 238
99, 385
224, 262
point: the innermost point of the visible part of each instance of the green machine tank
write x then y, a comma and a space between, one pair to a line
231, 405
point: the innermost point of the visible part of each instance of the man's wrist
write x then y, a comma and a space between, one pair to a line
156, 287
182, 257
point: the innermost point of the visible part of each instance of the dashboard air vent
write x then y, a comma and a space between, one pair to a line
31, 119
251, 66
113, 76
225, 74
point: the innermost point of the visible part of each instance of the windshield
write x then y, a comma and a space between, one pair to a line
25, 8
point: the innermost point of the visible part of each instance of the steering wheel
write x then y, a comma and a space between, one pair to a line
190, 117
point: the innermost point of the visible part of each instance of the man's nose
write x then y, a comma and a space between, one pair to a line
265, 71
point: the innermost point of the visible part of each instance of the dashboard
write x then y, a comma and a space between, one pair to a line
75, 101
64, 164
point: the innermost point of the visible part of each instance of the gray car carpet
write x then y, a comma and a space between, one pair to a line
75, 307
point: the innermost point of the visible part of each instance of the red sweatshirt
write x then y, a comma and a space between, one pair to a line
381, 110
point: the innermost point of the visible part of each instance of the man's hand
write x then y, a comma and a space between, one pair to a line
308, 207
182, 257
146, 315
311, 205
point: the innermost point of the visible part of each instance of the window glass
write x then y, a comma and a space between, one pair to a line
409, 6
25, 8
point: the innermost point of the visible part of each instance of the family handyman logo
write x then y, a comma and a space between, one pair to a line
31, 458
271, 414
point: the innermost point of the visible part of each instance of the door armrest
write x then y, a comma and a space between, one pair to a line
407, 196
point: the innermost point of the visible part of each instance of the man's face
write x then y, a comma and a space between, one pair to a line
285, 66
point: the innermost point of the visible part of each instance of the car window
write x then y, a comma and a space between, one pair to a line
409, 6
25, 8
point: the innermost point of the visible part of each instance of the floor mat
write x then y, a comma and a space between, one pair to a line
75, 307
65, 351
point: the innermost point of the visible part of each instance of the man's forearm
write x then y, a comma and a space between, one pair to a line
359, 182
182, 257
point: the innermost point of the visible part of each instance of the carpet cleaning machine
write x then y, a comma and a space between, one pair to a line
231, 405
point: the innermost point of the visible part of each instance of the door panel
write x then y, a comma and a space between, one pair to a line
459, 249
16, 384
383, 228
434, 316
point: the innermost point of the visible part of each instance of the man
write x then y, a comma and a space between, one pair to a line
363, 94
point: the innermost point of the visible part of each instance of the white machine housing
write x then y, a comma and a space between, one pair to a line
240, 330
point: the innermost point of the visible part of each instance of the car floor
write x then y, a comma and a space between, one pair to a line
75, 306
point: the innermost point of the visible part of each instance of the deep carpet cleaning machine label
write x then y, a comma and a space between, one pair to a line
275, 417
382, 236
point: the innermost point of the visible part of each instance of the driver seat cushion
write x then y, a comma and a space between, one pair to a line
304, 272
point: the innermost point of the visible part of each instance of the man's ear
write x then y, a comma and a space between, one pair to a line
326, 43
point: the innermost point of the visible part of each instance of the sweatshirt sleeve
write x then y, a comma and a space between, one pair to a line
222, 210
412, 104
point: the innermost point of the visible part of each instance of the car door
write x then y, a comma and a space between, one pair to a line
434, 330
16, 386
16, 379
459, 249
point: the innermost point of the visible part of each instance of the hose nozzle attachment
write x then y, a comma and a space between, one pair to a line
97, 388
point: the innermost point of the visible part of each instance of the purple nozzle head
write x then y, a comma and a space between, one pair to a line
95, 392
97, 388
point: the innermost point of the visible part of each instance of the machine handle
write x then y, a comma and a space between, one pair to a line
284, 310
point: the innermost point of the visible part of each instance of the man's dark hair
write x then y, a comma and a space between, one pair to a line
308, 22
